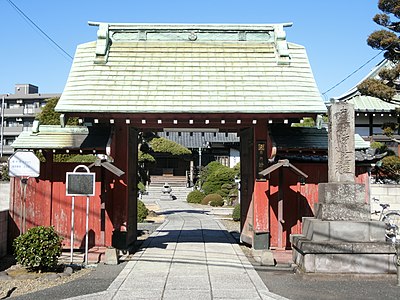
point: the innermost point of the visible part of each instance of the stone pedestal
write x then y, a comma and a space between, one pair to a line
166, 192
343, 247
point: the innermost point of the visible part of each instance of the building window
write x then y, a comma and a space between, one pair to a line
223, 160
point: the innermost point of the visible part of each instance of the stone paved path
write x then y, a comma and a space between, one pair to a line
190, 256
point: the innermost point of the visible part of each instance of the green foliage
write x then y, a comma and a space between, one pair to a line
163, 145
391, 166
390, 128
236, 168
213, 200
306, 122
236, 213
145, 158
216, 179
376, 88
4, 172
39, 248
209, 169
74, 158
142, 211
141, 187
386, 40
226, 189
48, 116
381, 147
211, 197
195, 196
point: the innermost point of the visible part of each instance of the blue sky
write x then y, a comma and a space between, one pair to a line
333, 32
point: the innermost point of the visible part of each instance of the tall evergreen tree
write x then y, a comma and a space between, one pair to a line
385, 87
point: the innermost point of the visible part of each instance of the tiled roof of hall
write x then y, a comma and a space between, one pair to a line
364, 103
189, 68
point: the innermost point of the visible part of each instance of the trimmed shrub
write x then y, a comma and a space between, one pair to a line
226, 189
209, 169
142, 211
217, 203
218, 178
195, 197
236, 213
164, 145
39, 248
210, 198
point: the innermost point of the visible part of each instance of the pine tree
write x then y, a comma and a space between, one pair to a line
387, 40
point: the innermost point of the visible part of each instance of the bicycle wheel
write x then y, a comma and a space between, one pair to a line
392, 223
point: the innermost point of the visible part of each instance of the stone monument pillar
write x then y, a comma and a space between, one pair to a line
341, 238
341, 198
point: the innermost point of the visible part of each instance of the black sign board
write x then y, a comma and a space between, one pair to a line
80, 184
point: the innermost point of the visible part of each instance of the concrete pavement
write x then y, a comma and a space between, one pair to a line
190, 256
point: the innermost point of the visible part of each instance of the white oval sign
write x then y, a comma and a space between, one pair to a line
24, 163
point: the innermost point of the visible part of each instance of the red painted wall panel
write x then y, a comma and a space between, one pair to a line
40, 210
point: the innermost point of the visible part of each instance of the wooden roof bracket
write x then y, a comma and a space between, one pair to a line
283, 163
281, 45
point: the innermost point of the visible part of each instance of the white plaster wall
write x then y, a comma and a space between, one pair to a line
234, 157
386, 193
4, 207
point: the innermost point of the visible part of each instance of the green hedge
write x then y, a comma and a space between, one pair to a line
236, 213
142, 211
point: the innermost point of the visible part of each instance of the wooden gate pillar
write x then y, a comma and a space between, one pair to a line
124, 195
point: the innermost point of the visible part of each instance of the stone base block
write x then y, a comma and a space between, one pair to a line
342, 201
111, 256
342, 231
345, 263
165, 196
264, 257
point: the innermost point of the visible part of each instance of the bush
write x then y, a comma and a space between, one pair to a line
236, 213
217, 201
39, 248
215, 198
195, 196
4, 172
226, 189
391, 166
209, 169
142, 211
217, 179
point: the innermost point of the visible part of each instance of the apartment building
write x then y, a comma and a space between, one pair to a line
18, 112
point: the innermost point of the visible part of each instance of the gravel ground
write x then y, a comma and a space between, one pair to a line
15, 280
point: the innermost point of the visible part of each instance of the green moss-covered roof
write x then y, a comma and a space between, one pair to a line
192, 69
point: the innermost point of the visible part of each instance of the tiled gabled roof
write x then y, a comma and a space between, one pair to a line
70, 137
135, 68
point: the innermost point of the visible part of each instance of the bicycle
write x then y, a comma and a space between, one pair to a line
391, 218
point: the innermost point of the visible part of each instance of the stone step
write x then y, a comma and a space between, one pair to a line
171, 180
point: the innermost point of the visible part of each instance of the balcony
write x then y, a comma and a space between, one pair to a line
14, 112
15, 130
7, 150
